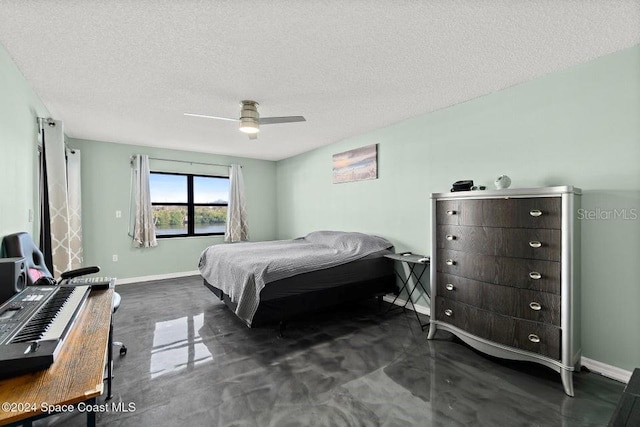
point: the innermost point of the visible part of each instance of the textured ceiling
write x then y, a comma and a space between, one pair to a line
126, 71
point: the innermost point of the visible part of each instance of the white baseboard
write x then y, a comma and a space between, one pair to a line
419, 308
605, 370
156, 277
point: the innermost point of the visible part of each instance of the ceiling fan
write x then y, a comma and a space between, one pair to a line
250, 120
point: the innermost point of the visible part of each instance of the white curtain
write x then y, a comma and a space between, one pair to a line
237, 226
56, 200
74, 208
144, 230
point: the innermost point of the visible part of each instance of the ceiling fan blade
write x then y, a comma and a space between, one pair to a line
210, 117
253, 135
288, 119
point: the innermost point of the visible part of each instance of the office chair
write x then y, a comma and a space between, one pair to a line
21, 245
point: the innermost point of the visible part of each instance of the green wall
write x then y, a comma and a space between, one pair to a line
578, 127
19, 110
106, 177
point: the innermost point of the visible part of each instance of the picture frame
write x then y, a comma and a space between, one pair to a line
358, 164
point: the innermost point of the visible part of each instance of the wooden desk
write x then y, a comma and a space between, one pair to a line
76, 375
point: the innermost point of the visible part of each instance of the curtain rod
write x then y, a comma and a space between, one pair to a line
187, 161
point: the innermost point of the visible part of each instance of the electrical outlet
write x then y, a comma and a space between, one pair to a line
114, 258
118, 214
30, 215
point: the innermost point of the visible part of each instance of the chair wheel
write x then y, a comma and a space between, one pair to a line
123, 350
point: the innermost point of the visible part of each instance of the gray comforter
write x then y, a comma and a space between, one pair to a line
241, 270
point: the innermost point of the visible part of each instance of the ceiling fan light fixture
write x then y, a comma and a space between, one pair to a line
249, 125
249, 117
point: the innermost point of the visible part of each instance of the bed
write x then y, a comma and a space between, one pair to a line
267, 282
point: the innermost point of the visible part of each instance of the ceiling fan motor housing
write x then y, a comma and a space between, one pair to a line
249, 117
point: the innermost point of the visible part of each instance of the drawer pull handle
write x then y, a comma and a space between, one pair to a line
535, 306
450, 262
451, 212
534, 338
448, 312
450, 237
535, 275
535, 244
535, 212
449, 287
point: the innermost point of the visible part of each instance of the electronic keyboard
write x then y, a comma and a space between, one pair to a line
34, 324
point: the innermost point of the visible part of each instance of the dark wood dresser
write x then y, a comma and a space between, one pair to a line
505, 273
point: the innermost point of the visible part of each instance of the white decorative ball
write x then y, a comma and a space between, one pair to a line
503, 181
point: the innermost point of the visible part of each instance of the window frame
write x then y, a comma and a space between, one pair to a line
190, 204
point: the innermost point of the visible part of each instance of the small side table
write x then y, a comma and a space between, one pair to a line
412, 261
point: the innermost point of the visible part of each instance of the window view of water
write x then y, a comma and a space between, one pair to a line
179, 200
168, 230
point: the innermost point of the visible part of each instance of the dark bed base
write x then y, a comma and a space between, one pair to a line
287, 308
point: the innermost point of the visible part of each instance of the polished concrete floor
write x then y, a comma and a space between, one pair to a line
192, 362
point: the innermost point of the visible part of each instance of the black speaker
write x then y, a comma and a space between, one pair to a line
13, 277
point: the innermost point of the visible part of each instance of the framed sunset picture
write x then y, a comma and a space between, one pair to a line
356, 165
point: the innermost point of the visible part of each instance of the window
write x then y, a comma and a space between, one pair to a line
188, 205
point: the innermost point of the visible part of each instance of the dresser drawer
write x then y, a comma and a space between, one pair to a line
522, 273
537, 306
507, 242
539, 212
459, 212
523, 334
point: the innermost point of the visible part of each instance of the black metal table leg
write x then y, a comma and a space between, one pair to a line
413, 304
91, 415
411, 260
110, 359
403, 287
